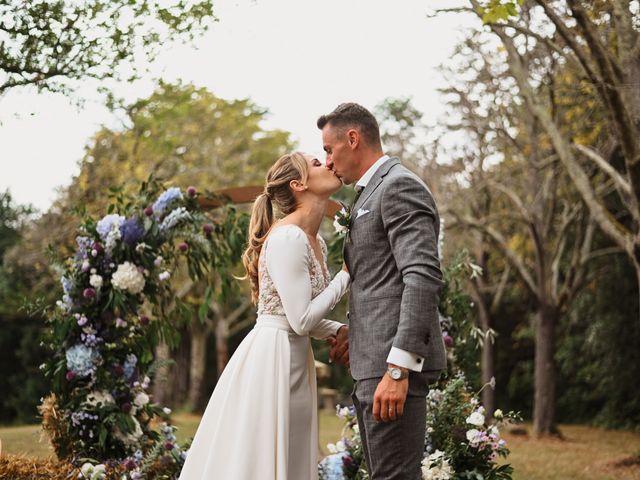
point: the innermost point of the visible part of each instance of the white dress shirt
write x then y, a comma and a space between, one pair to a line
397, 356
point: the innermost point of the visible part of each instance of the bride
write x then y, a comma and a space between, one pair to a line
261, 420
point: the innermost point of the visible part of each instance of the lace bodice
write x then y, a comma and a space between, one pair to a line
269, 302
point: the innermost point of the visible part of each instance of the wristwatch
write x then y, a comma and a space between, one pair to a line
397, 373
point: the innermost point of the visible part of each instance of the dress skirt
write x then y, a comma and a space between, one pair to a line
261, 420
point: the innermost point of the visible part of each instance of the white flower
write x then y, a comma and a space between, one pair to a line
141, 246
99, 396
141, 399
167, 410
112, 238
95, 281
132, 438
164, 276
336, 222
476, 418
498, 414
91, 472
332, 448
127, 277
341, 446
472, 435
120, 323
436, 467
356, 429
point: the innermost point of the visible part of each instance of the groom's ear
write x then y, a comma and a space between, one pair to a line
353, 137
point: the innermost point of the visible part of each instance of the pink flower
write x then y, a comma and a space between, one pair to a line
144, 320
207, 228
148, 211
70, 376
191, 191
89, 293
183, 247
448, 340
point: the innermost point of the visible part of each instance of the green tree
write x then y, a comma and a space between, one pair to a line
51, 43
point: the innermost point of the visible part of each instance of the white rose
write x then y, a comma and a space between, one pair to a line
476, 418
95, 281
341, 446
332, 448
127, 277
141, 399
472, 434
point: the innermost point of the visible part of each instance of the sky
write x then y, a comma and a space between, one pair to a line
297, 58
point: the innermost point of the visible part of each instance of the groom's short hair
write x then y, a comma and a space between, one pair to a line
352, 115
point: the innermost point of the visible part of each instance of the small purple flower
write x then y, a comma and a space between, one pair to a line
148, 211
191, 191
130, 464
89, 293
144, 320
168, 445
86, 265
183, 247
158, 261
125, 407
448, 339
120, 323
118, 370
207, 228
70, 376
132, 231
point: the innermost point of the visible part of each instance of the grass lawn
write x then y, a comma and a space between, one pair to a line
586, 453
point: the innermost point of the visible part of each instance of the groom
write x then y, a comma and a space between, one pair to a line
394, 343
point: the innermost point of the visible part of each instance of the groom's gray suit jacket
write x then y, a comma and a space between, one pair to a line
392, 256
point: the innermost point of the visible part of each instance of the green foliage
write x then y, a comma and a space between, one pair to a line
50, 44
496, 10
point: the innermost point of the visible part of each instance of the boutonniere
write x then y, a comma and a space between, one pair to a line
341, 220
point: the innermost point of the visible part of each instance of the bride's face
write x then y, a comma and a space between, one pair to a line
321, 181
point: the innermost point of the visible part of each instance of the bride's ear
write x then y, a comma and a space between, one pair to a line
297, 186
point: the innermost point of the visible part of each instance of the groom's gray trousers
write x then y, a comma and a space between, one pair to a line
393, 450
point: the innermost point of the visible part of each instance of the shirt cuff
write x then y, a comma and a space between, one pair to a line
405, 359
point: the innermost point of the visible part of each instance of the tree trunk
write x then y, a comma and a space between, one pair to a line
199, 334
222, 350
544, 403
161, 376
488, 394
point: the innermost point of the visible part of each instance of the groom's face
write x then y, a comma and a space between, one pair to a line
340, 154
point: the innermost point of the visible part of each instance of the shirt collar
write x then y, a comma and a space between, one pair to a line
364, 180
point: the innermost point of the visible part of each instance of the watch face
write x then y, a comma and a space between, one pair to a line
396, 373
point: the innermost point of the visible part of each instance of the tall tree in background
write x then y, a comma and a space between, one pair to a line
50, 44
600, 42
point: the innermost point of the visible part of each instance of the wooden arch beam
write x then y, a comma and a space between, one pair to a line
248, 195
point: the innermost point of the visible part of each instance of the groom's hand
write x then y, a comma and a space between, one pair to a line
340, 346
389, 399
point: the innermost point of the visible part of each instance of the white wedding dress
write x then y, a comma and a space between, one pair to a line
261, 420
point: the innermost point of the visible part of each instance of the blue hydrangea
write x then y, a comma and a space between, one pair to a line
82, 360
106, 224
132, 231
130, 366
331, 466
84, 247
165, 199
175, 217
67, 285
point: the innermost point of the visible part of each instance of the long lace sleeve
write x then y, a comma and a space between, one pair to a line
287, 261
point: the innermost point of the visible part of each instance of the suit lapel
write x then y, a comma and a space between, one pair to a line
375, 181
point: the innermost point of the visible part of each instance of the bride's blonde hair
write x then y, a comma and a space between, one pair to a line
277, 193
